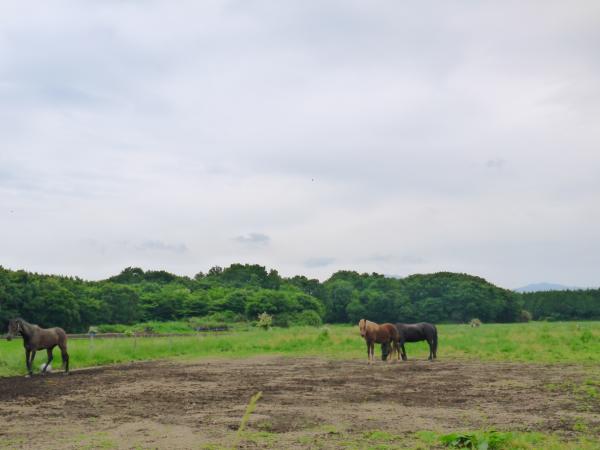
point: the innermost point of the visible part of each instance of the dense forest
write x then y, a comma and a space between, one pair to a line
242, 291
563, 305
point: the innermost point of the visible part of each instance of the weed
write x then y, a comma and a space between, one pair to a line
249, 410
488, 440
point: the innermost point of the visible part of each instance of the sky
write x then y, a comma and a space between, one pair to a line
305, 136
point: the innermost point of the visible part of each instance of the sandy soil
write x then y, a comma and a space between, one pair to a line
173, 404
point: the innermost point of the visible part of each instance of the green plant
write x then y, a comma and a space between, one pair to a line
249, 410
324, 335
586, 336
475, 323
264, 320
525, 316
308, 318
489, 440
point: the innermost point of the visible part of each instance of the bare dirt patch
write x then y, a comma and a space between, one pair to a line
172, 404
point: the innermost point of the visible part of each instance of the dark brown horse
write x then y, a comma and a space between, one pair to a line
385, 334
36, 338
414, 332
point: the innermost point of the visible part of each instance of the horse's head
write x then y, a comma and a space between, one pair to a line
385, 351
362, 326
15, 326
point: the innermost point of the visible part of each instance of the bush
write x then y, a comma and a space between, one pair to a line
524, 316
475, 323
114, 328
308, 318
264, 321
219, 319
282, 320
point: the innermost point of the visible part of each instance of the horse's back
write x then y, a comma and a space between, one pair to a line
416, 331
388, 331
53, 336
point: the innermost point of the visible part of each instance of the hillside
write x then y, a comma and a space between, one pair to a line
241, 291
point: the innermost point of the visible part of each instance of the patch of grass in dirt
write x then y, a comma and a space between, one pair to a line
384, 440
12, 442
537, 342
98, 440
496, 440
587, 393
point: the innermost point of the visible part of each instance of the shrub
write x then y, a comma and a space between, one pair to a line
264, 320
114, 328
475, 323
309, 318
282, 320
524, 316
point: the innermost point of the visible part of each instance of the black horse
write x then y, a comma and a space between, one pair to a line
36, 338
413, 332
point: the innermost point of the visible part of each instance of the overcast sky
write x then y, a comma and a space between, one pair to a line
396, 137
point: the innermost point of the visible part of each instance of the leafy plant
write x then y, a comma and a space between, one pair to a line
475, 323
490, 440
264, 320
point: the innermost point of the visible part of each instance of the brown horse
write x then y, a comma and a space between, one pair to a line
384, 334
36, 338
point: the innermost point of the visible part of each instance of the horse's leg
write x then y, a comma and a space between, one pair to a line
430, 342
31, 362
65, 357
49, 352
390, 355
371, 351
404, 357
27, 363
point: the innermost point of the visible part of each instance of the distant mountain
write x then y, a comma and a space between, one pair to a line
541, 287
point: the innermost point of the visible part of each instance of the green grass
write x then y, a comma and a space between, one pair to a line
556, 342
383, 440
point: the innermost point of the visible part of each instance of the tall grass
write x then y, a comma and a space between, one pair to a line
535, 342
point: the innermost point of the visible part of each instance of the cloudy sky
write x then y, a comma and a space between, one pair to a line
396, 137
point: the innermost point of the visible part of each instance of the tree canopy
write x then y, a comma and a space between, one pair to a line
242, 291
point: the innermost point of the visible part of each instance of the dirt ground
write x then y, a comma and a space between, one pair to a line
306, 402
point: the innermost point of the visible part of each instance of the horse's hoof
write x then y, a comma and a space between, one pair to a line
27, 376
67, 374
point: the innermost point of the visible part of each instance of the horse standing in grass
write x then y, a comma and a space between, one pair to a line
36, 338
413, 332
385, 334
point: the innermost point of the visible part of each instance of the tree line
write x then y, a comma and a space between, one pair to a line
242, 291
563, 305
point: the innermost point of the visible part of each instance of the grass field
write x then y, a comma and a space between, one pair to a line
535, 342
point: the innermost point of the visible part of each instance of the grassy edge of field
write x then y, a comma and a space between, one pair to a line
332, 436
544, 343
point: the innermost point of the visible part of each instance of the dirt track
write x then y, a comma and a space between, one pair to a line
188, 405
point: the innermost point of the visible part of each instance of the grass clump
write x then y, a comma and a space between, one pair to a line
488, 440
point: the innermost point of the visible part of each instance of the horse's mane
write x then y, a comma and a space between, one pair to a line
368, 325
22, 321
